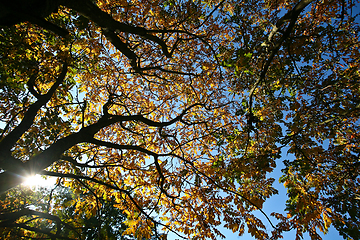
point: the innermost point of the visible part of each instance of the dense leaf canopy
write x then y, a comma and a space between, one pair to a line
174, 113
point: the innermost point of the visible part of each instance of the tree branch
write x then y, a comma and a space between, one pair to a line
9, 140
291, 16
111, 27
9, 220
110, 186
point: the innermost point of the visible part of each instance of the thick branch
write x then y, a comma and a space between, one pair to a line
8, 142
34, 11
15, 175
291, 16
8, 219
122, 47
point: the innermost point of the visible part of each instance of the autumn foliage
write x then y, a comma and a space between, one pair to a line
175, 113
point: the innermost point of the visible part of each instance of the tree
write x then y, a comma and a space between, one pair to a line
305, 69
178, 110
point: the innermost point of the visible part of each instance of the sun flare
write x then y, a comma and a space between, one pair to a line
38, 180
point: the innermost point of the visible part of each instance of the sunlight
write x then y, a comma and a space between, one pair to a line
38, 180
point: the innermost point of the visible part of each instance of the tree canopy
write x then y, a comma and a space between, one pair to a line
175, 112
